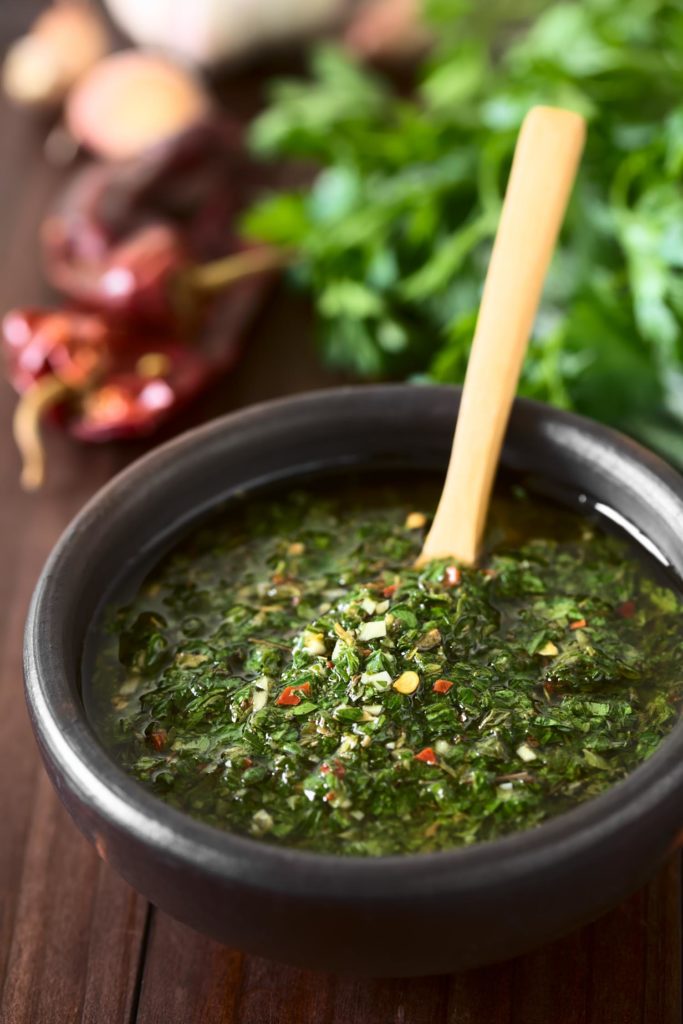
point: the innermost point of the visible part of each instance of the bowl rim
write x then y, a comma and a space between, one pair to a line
65, 734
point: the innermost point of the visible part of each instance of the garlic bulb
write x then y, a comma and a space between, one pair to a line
210, 31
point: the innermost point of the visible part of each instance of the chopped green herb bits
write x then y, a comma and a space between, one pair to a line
287, 674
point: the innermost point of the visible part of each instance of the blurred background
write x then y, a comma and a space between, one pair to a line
190, 162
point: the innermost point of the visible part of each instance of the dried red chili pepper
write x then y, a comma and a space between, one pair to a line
39, 342
176, 181
134, 279
140, 391
123, 231
427, 756
102, 382
51, 357
128, 243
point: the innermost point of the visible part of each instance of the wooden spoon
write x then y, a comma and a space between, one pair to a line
543, 170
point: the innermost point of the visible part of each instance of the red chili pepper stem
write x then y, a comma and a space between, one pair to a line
42, 396
207, 278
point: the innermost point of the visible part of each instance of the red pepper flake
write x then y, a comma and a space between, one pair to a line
442, 686
330, 797
330, 664
325, 768
452, 576
158, 738
627, 610
390, 590
339, 770
289, 695
427, 755
247, 762
579, 624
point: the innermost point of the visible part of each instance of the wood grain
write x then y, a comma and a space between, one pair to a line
623, 969
544, 167
187, 977
76, 943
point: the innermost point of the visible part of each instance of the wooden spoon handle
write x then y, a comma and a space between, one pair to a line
543, 170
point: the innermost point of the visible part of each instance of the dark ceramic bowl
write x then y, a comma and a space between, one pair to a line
401, 915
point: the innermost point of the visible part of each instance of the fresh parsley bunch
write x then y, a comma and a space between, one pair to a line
392, 239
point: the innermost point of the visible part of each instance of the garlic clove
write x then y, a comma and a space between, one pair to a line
30, 74
415, 521
407, 683
77, 32
131, 101
64, 43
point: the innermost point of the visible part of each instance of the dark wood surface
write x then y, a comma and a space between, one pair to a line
76, 943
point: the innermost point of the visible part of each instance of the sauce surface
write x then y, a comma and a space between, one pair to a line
285, 672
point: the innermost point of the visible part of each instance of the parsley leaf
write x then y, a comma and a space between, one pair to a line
394, 235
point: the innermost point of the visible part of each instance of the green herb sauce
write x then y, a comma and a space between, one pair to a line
286, 673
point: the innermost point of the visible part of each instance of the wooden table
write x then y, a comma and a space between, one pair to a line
76, 943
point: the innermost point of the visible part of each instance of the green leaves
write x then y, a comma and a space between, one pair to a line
456, 81
348, 298
279, 219
562, 664
570, 38
394, 235
317, 122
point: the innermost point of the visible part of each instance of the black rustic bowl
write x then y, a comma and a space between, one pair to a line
399, 915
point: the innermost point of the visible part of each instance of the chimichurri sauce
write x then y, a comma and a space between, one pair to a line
287, 674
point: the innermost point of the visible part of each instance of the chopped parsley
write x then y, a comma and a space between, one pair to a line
286, 673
